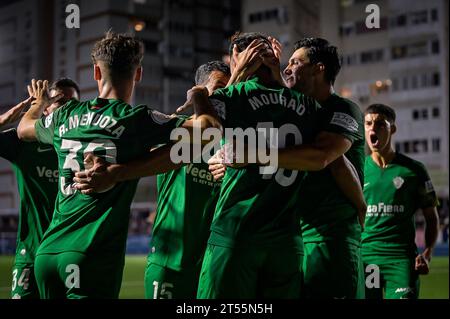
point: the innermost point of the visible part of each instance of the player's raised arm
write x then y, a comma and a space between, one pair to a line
14, 113
38, 90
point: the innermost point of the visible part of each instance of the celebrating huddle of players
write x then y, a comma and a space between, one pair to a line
303, 229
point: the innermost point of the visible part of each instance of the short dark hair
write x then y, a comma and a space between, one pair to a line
243, 40
65, 83
122, 54
320, 50
204, 70
383, 109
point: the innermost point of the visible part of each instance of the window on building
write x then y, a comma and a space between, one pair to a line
424, 114
424, 144
398, 147
418, 49
435, 112
436, 145
419, 17
415, 114
434, 15
398, 52
401, 20
436, 79
405, 83
414, 82
406, 147
423, 80
435, 47
395, 84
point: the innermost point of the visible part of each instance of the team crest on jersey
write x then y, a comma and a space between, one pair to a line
158, 117
429, 186
398, 182
48, 120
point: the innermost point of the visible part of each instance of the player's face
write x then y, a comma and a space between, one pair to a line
216, 80
299, 72
266, 53
69, 93
378, 132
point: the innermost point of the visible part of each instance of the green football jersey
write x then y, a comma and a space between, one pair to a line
185, 207
111, 129
393, 195
325, 210
36, 168
255, 208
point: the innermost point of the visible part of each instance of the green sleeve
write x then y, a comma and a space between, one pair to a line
426, 194
220, 101
9, 145
45, 127
344, 119
157, 126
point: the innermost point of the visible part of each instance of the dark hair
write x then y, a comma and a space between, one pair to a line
243, 40
65, 83
121, 54
320, 50
204, 70
383, 109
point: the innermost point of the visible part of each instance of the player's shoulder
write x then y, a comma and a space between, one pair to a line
345, 104
413, 165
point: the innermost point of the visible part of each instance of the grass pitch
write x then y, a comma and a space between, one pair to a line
433, 286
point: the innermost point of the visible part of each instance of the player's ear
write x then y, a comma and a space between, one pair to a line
97, 73
138, 74
320, 67
393, 128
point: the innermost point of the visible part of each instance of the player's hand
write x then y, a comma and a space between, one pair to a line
190, 95
273, 61
422, 264
216, 166
14, 113
99, 176
247, 61
39, 91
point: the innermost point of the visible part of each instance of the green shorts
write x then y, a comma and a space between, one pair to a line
251, 272
24, 282
398, 280
333, 269
165, 283
75, 275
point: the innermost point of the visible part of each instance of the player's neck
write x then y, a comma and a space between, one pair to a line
383, 157
118, 92
323, 92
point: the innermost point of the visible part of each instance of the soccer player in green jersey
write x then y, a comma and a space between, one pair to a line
185, 206
36, 169
329, 222
186, 203
395, 188
255, 248
82, 253
330, 199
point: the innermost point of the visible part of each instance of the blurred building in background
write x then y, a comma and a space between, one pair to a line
404, 64
286, 20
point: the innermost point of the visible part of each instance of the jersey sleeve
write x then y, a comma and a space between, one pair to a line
219, 102
9, 145
157, 126
45, 127
343, 119
426, 194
